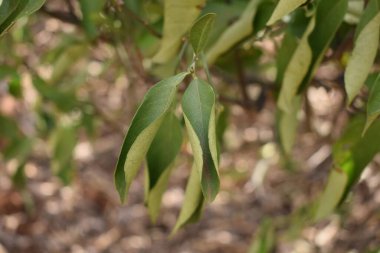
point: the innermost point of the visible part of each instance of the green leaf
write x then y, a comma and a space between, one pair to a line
299, 22
178, 19
296, 71
13, 15
222, 124
200, 31
311, 49
19, 148
6, 9
14, 86
90, 12
287, 124
193, 202
351, 154
238, 31
198, 105
283, 8
32, 6
332, 194
296, 28
264, 239
143, 129
373, 105
19, 178
160, 157
64, 141
288, 46
328, 18
66, 60
9, 128
225, 14
365, 49
264, 12
10, 10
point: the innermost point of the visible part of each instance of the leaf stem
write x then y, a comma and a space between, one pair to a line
205, 66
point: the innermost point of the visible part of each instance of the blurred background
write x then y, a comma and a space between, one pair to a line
69, 86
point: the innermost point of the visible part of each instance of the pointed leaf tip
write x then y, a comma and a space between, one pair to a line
143, 129
200, 31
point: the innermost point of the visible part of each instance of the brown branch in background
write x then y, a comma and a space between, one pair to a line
71, 8
61, 15
241, 76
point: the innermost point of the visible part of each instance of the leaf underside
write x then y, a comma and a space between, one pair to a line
198, 104
143, 129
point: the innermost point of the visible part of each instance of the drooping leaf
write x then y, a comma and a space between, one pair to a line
143, 129
11, 18
178, 19
332, 194
6, 8
373, 105
193, 202
264, 12
200, 30
11, 10
351, 154
328, 18
287, 124
365, 49
298, 23
238, 31
296, 71
311, 49
283, 8
198, 105
64, 141
296, 27
90, 12
288, 46
160, 157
